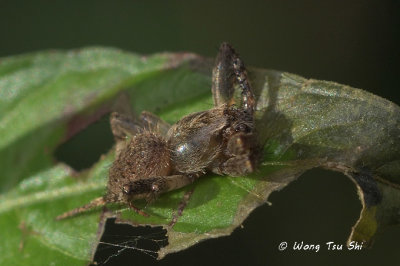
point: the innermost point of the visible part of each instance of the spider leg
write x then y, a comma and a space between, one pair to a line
137, 210
150, 188
248, 101
223, 76
181, 207
243, 155
230, 79
154, 123
123, 126
238, 165
91, 205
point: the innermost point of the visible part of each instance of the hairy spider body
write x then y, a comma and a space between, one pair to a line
153, 157
203, 141
146, 155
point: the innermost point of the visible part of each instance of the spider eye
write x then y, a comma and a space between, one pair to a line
155, 187
126, 189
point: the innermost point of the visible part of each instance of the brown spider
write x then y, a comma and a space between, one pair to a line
159, 158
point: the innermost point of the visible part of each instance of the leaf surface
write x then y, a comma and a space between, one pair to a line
46, 98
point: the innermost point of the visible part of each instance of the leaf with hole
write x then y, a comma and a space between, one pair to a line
47, 98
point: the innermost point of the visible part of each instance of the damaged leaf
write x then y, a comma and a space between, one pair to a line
46, 98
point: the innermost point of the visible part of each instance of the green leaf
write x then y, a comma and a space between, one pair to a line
46, 98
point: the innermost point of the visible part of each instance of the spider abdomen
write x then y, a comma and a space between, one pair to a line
145, 156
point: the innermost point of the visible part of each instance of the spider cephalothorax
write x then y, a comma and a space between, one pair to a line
159, 158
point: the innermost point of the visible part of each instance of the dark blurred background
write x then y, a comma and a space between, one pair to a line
354, 42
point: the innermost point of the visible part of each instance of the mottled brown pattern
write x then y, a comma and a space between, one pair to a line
145, 156
153, 157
